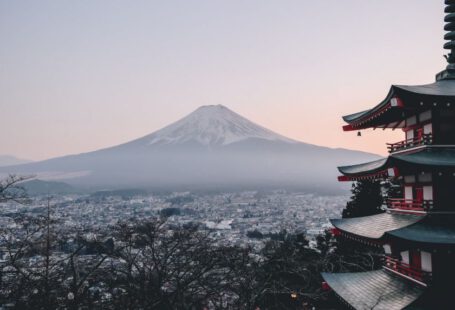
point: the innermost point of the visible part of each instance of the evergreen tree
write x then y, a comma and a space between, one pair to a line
392, 189
367, 199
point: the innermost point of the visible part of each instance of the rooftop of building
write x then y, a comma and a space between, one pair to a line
374, 289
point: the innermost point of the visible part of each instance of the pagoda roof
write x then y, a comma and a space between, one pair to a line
434, 230
403, 101
378, 289
428, 156
365, 168
375, 226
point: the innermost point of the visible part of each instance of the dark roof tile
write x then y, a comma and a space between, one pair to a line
379, 290
375, 226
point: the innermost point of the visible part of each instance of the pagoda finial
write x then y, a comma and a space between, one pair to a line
450, 26
449, 19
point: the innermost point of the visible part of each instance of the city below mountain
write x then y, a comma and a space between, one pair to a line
212, 148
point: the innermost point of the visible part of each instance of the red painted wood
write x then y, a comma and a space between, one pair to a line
348, 128
418, 140
335, 232
325, 286
419, 133
419, 194
415, 259
408, 270
409, 204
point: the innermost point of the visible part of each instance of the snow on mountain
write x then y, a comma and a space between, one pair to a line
212, 125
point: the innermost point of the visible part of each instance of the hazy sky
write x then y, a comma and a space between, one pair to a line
77, 76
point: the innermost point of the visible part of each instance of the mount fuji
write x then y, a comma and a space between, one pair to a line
212, 125
211, 148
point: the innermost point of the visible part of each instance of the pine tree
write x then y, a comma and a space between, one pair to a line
367, 199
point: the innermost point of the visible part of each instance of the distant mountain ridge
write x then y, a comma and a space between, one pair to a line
211, 148
40, 187
9, 160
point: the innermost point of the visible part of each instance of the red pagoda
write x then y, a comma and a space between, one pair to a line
417, 230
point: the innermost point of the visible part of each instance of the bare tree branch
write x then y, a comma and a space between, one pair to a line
11, 190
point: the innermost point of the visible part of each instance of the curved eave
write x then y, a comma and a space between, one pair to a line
437, 157
373, 289
444, 89
375, 226
378, 117
402, 99
359, 116
371, 168
433, 230
428, 158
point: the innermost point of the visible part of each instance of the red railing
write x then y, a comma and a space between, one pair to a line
409, 204
407, 270
405, 144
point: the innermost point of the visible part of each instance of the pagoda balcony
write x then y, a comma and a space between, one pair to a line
426, 139
407, 270
409, 205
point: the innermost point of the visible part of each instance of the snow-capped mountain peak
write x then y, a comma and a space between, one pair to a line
200, 152
212, 125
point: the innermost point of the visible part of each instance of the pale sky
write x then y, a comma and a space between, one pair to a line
77, 76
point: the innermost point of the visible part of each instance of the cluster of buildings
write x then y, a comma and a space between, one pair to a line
228, 216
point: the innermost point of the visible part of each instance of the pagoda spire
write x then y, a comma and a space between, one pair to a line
450, 26
449, 19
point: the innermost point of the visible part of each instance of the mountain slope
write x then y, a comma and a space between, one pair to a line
213, 125
8, 160
40, 187
212, 147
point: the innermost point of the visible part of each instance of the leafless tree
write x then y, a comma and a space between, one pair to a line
151, 264
35, 274
166, 268
11, 190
